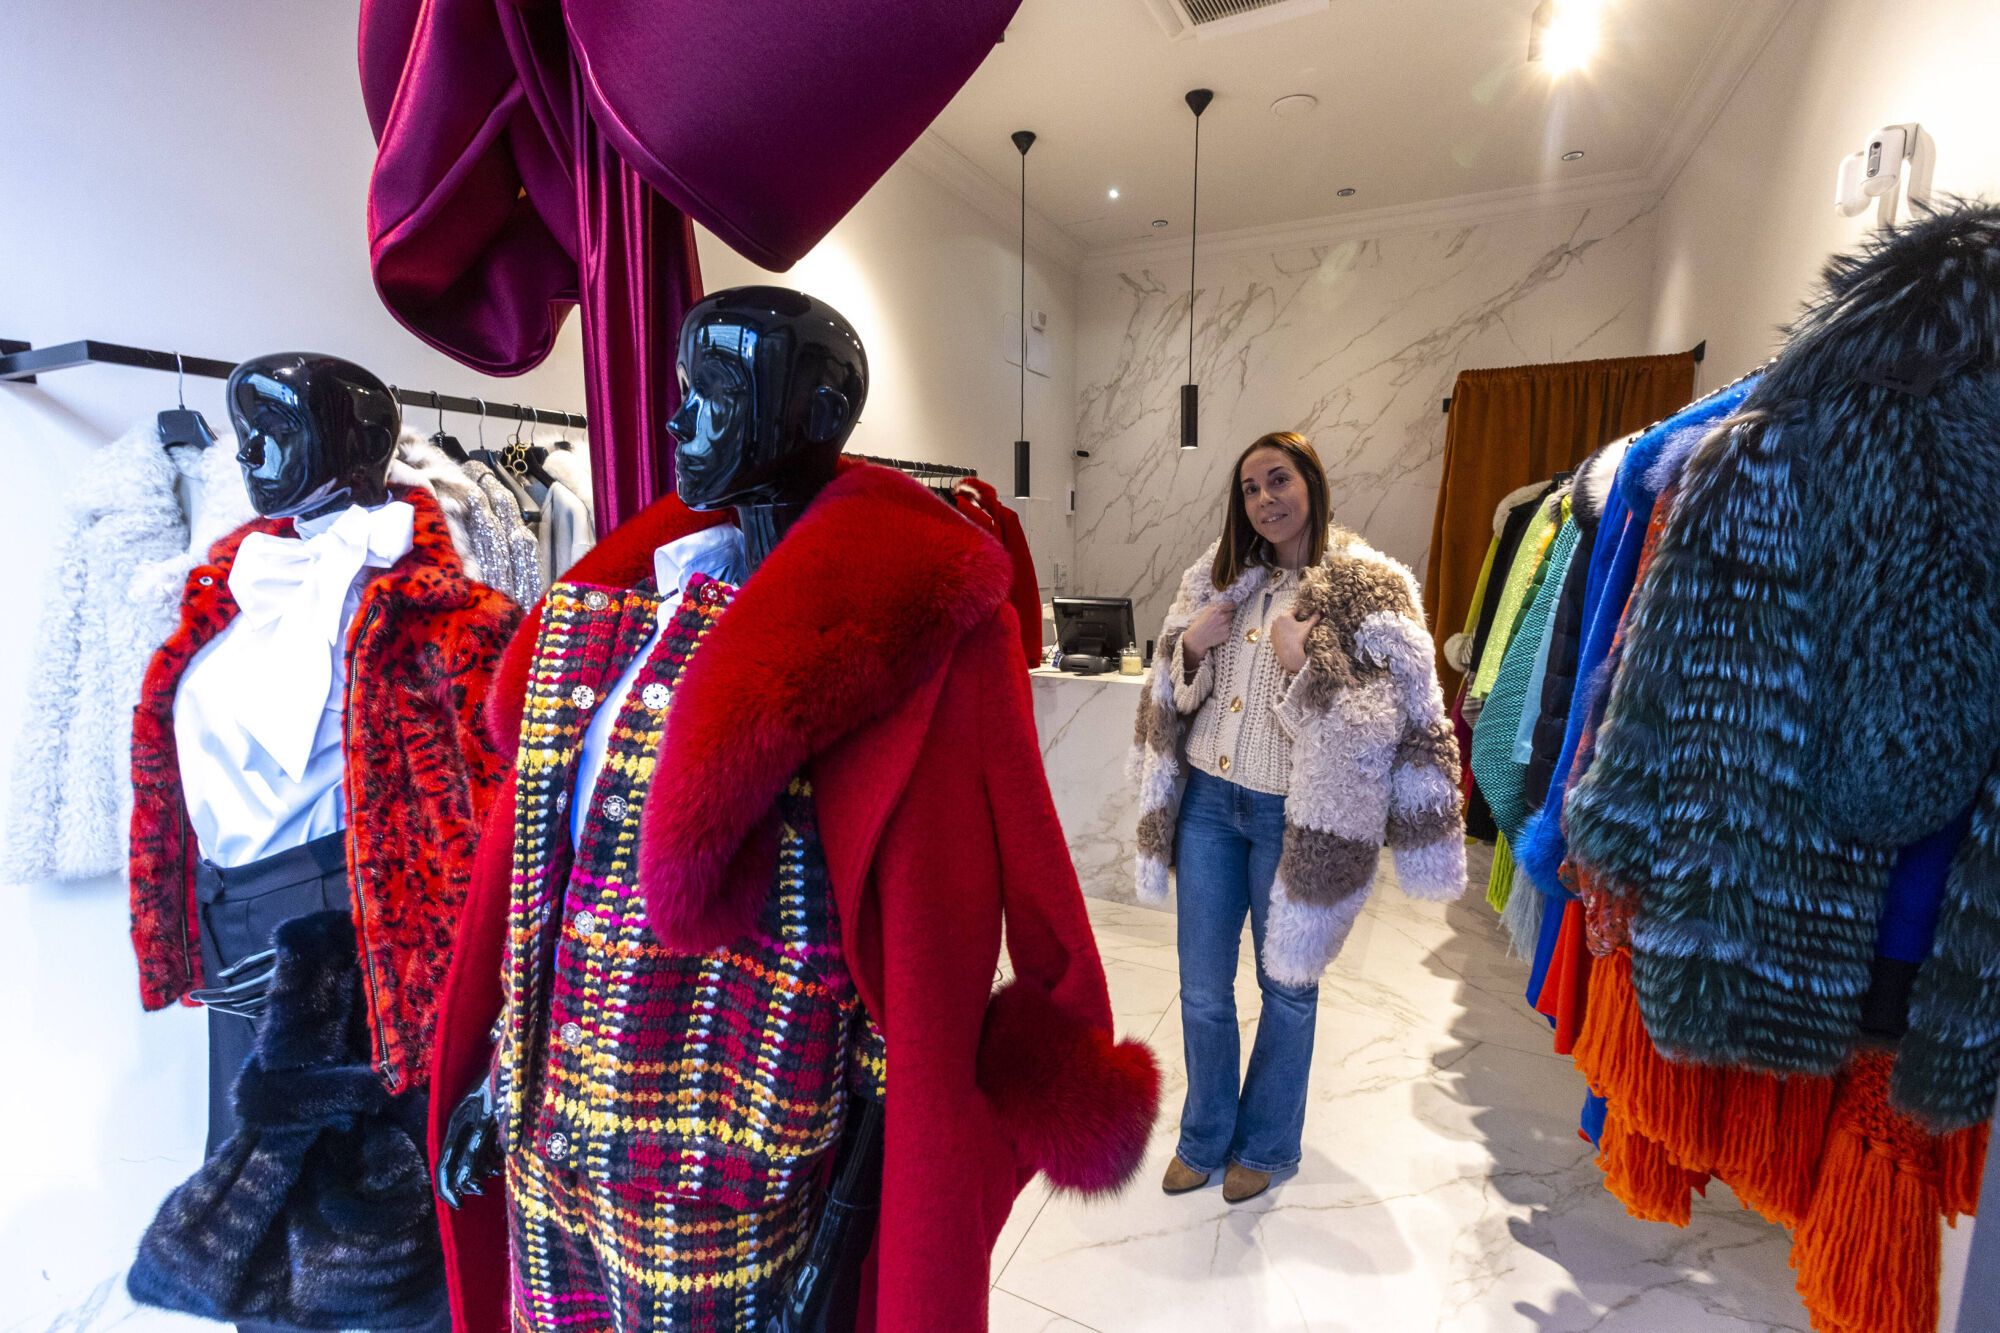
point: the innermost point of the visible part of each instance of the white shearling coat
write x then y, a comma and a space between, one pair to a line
122, 556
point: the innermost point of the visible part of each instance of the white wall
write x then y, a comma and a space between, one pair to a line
930, 283
186, 177
1352, 342
1744, 229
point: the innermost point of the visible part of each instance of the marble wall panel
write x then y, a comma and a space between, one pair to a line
1351, 342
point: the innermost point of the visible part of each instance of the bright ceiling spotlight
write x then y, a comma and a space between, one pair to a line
1562, 35
1112, 192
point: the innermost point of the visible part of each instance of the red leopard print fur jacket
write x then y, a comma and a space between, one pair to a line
420, 775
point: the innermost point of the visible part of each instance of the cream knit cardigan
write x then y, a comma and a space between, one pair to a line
1374, 760
1251, 736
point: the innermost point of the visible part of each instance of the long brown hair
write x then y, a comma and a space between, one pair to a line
1241, 546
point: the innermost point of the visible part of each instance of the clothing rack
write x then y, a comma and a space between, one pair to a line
21, 362
1699, 352
1698, 399
918, 469
940, 479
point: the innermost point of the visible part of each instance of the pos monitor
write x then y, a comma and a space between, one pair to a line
1093, 630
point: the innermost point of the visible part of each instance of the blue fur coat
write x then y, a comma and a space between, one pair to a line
1811, 680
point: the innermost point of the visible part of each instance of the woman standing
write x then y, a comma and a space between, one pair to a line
1295, 690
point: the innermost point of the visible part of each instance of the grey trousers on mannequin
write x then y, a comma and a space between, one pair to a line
240, 909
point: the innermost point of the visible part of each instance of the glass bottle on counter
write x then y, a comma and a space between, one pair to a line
1130, 664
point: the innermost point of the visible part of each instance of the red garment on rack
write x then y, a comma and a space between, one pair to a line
978, 501
539, 154
1567, 984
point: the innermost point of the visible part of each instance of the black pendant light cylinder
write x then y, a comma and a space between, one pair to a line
1023, 141
1197, 100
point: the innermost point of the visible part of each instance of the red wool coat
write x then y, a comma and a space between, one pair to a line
978, 501
421, 651
875, 650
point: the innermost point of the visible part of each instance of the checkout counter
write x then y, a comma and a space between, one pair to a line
1085, 727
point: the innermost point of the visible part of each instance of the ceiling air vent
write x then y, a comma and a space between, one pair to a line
1219, 18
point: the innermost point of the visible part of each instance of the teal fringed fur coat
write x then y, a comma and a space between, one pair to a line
1811, 679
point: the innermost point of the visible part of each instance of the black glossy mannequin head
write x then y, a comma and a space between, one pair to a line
314, 433
773, 382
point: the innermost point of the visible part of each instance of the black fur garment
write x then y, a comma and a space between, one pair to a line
317, 1212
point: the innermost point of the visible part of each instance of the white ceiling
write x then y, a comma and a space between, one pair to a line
1420, 102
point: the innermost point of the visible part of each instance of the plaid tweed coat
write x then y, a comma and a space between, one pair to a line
875, 652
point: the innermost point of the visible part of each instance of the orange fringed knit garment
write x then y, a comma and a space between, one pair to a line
1860, 1185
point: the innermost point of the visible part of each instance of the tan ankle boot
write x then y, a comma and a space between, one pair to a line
1240, 1183
1181, 1178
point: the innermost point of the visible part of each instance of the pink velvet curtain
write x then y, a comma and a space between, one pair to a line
538, 154
639, 278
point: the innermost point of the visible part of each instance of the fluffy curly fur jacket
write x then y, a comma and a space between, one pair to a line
123, 547
475, 532
1811, 679
1374, 759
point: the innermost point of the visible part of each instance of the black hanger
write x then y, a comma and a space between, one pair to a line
562, 441
449, 443
183, 425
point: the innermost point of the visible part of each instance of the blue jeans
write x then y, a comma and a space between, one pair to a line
1227, 849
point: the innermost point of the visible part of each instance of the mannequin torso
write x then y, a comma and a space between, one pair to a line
773, 382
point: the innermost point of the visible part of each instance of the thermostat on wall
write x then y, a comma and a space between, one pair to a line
1874, 171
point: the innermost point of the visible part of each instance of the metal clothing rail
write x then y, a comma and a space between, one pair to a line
20, 363
1699, 352
919, 469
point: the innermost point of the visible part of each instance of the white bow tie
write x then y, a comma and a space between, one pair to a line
291, 595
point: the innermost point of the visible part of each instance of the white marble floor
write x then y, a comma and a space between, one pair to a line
1444, 1186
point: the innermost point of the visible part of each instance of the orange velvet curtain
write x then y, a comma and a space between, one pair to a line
1519, 424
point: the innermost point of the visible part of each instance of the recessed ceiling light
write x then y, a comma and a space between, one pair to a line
1159, 222
1294, 104
1572, 155
1113, 192
1345, 192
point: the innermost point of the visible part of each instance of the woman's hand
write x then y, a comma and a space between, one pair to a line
1209, 628
1288, 640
